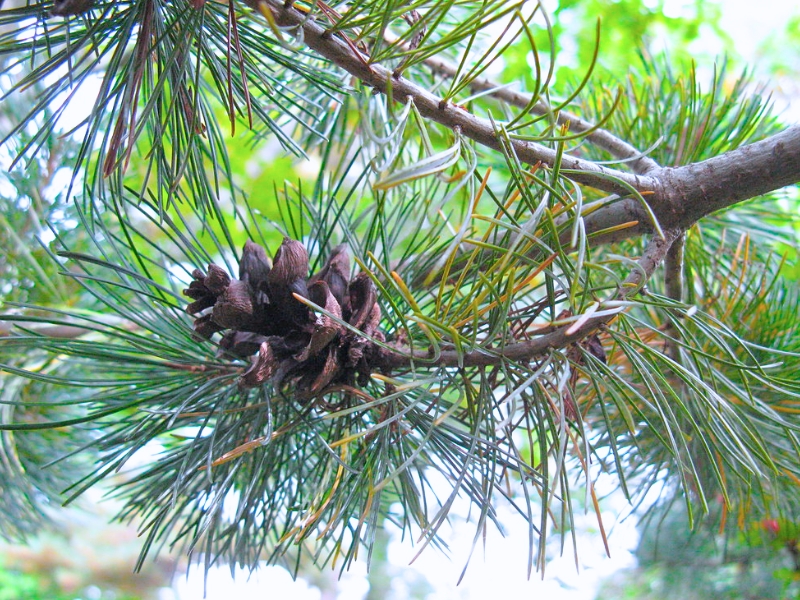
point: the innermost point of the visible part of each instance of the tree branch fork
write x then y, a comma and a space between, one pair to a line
678, 197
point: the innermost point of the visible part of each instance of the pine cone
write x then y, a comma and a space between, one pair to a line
288, 343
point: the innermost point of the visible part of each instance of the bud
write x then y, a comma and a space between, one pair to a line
234, 308
292, 345
206, 327
336, 273
261, 369
290, 264
240, 343
254, 270
205, 289
217, 279
594, 346
326, 328
363, 299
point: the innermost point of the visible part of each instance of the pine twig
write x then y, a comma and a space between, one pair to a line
673, 264
653, 256
639, 162
435, 108
673, 281
678, 197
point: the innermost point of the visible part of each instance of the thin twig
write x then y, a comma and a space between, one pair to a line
602, 138
673, 265
673, 281
653, 256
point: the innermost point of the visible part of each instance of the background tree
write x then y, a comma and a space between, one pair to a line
508, 320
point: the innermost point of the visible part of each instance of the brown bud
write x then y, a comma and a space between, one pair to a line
254, 269
200, 304
240, 343
206, 327
594, 346
326, 328
336, 273
373, 319
290, 264
363, 298
198, 292
217, 279
197, 289
316, 380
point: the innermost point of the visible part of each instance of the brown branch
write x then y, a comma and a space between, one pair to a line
677, 196
565, 335
696, 190
673, 266
673, 281
684, 195
602, 138
331, 47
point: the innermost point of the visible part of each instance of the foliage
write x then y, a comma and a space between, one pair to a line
20, 586
677, 562
475, 257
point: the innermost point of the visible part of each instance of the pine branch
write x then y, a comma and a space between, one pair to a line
693, 191
435, 108
673, 278
684, 195
563, 336
678, 197
274, 448
640, 163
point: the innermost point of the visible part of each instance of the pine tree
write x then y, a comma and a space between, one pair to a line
486, 289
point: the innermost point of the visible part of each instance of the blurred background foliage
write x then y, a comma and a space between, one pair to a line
37, 208
86, 558
677, 562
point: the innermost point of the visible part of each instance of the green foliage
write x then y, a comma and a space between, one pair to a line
677, 562
627, 28
780, 50
678, 118
21, 586
15, 586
